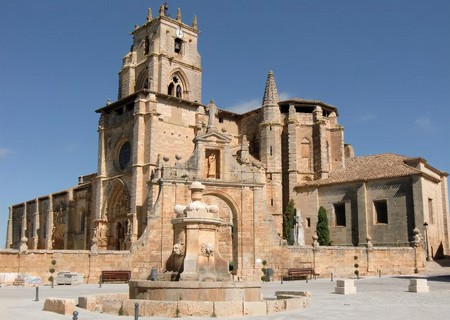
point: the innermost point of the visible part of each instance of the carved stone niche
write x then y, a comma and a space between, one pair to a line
212, 164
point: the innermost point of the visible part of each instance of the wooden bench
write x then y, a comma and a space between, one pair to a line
115, 276
306, 269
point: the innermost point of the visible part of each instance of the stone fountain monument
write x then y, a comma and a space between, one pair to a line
195, 271
196, 281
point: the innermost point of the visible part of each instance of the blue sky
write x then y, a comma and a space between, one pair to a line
385, 64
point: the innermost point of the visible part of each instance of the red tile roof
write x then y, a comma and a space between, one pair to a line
373, 167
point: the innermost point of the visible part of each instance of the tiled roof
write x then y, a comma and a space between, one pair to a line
373, 167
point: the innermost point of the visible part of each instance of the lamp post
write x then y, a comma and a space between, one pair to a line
425, 228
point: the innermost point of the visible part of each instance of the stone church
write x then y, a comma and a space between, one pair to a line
158, 137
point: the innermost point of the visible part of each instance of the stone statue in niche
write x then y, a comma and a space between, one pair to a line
101, 233
211, 173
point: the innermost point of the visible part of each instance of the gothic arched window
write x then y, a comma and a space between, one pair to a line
305, 148
175, 87
170, 89
124, 155
142, 81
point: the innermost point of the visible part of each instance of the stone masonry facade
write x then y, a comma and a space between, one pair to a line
159, 137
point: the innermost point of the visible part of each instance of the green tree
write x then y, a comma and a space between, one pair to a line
289, 220
322, 228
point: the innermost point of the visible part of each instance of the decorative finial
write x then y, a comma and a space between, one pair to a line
270, 92
149, 14
194, 23
196, 188
162, 10
179, 15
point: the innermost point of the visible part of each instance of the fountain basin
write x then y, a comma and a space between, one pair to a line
195, 290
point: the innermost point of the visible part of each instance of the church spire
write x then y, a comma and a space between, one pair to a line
270, 93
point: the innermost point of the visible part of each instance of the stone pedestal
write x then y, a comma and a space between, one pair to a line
196, 229
345, 287
418, 285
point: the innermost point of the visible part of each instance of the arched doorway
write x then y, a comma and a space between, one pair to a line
117, 217
228, 233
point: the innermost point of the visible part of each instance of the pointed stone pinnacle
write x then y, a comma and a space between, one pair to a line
194, 23
270, 92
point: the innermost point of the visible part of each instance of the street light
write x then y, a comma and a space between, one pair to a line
425, 227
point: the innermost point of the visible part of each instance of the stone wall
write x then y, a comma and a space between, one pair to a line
341, 260
337, 260
38, 262
360, 218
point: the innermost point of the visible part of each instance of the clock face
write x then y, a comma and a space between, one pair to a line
179, 33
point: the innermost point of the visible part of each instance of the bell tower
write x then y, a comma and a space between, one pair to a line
163, 58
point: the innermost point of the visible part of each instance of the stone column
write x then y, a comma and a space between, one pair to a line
9, 236
257, 209
138, 164
49, 244
101, 169
24, 221
362, 222
68, 229
36, 226
417, 188
66, 225
321, 165
445, 211
292, 147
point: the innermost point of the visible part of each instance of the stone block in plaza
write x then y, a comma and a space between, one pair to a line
345, 287
274, 306
111, 306
292, 294
195, 308
87, 302
296, 303
418, 285
61, 306
228, 308
255, 308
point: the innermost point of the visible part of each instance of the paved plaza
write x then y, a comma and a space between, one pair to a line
385, 297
